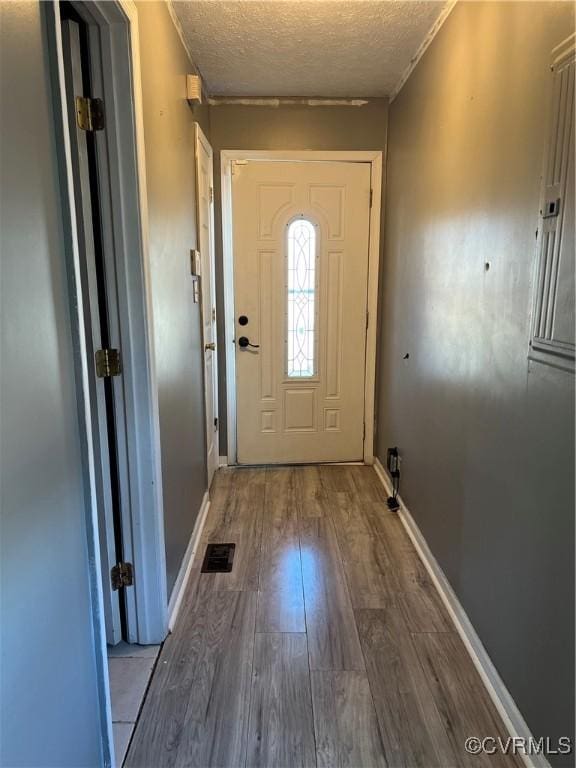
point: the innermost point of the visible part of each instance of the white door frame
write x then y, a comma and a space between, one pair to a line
228, 156
200, 139
117, 22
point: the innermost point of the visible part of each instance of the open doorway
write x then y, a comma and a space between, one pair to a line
98, 115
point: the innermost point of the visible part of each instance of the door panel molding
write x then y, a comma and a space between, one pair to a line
375, 158
334, 297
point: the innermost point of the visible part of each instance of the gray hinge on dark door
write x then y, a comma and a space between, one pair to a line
122, 575
89, 113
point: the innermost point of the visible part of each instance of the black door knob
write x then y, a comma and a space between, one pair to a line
244, 342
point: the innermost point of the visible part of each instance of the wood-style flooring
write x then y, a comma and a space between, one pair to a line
327, 644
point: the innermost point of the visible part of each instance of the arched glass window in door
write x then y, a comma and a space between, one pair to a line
301, 299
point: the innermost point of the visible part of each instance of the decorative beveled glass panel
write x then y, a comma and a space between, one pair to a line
301, 299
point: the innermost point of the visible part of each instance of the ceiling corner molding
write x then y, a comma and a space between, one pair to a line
216, 101
180, 32
446, 11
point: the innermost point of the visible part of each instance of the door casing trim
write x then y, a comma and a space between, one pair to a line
375, 158
200, 139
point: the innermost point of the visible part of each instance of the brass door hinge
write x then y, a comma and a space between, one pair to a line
89, 113
211, 194
108, 363
235, 163
122, 575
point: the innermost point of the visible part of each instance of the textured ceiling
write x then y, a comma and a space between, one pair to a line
334, 48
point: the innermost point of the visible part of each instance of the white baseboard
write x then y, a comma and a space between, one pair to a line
184, 572
503, 701
223, 461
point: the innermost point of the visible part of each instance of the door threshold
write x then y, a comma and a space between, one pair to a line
358, 463
130, 669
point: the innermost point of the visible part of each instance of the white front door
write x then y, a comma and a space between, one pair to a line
205, 227
301, 235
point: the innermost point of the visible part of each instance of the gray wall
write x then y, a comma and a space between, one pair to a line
234, 126
170, 171
48, 695
487, 440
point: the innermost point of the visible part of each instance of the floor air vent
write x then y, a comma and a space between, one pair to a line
218, 558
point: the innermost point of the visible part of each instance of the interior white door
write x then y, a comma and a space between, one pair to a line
99, 333
205, 226
301, 237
